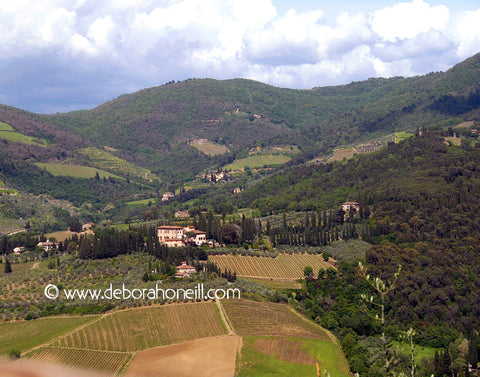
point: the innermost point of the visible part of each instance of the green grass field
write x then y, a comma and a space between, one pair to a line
210, 148
9, 133
281, 362
25, 335
6, 127
104, 160
454, 140
74, 170
274, 284
142, 202
400, 136
420, 351
60, 236
1, 183
258, 161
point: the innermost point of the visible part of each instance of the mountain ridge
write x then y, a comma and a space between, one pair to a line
152, 129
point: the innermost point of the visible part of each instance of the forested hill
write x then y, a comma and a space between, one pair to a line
241, 113
424, 197
153, 127
417, 170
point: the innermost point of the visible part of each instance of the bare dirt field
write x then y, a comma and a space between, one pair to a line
210, 357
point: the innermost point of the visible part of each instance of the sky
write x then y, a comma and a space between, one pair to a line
63, 55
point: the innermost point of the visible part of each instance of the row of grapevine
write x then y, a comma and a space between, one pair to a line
285, 266
98, 361
267, 318
142, 328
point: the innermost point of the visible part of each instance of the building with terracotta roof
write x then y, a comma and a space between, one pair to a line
185, 270
170, 232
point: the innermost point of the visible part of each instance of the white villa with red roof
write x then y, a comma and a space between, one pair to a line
185, 270
178, 236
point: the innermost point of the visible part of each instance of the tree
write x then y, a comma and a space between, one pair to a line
382, 290
14, 354
408, 335
473, 350
75, 225
231, 233
8, 267
308, 272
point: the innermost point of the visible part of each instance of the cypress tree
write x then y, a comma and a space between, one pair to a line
473, 351
8, 267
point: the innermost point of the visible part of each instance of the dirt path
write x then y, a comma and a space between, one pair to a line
224, 317
35, 265
230, 329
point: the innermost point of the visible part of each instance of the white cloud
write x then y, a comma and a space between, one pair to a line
100, 30
147, 42
467, 33
407, 20
424, 44
57, 26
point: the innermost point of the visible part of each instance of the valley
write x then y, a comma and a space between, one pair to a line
276, 193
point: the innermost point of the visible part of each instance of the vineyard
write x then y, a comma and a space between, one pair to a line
25, 335
284, 349
285, 266
137, 329
267, 318
99, 361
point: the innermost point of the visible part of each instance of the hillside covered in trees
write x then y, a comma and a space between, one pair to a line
424, 197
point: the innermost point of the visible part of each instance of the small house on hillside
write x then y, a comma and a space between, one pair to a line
185, 270
19, 250
182, 214
47, 245
199, 238
350, 206
87, 226
167, 196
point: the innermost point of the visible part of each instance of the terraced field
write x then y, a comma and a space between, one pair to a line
285, 266
137, 329
107, 161
77, 171
110, 363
